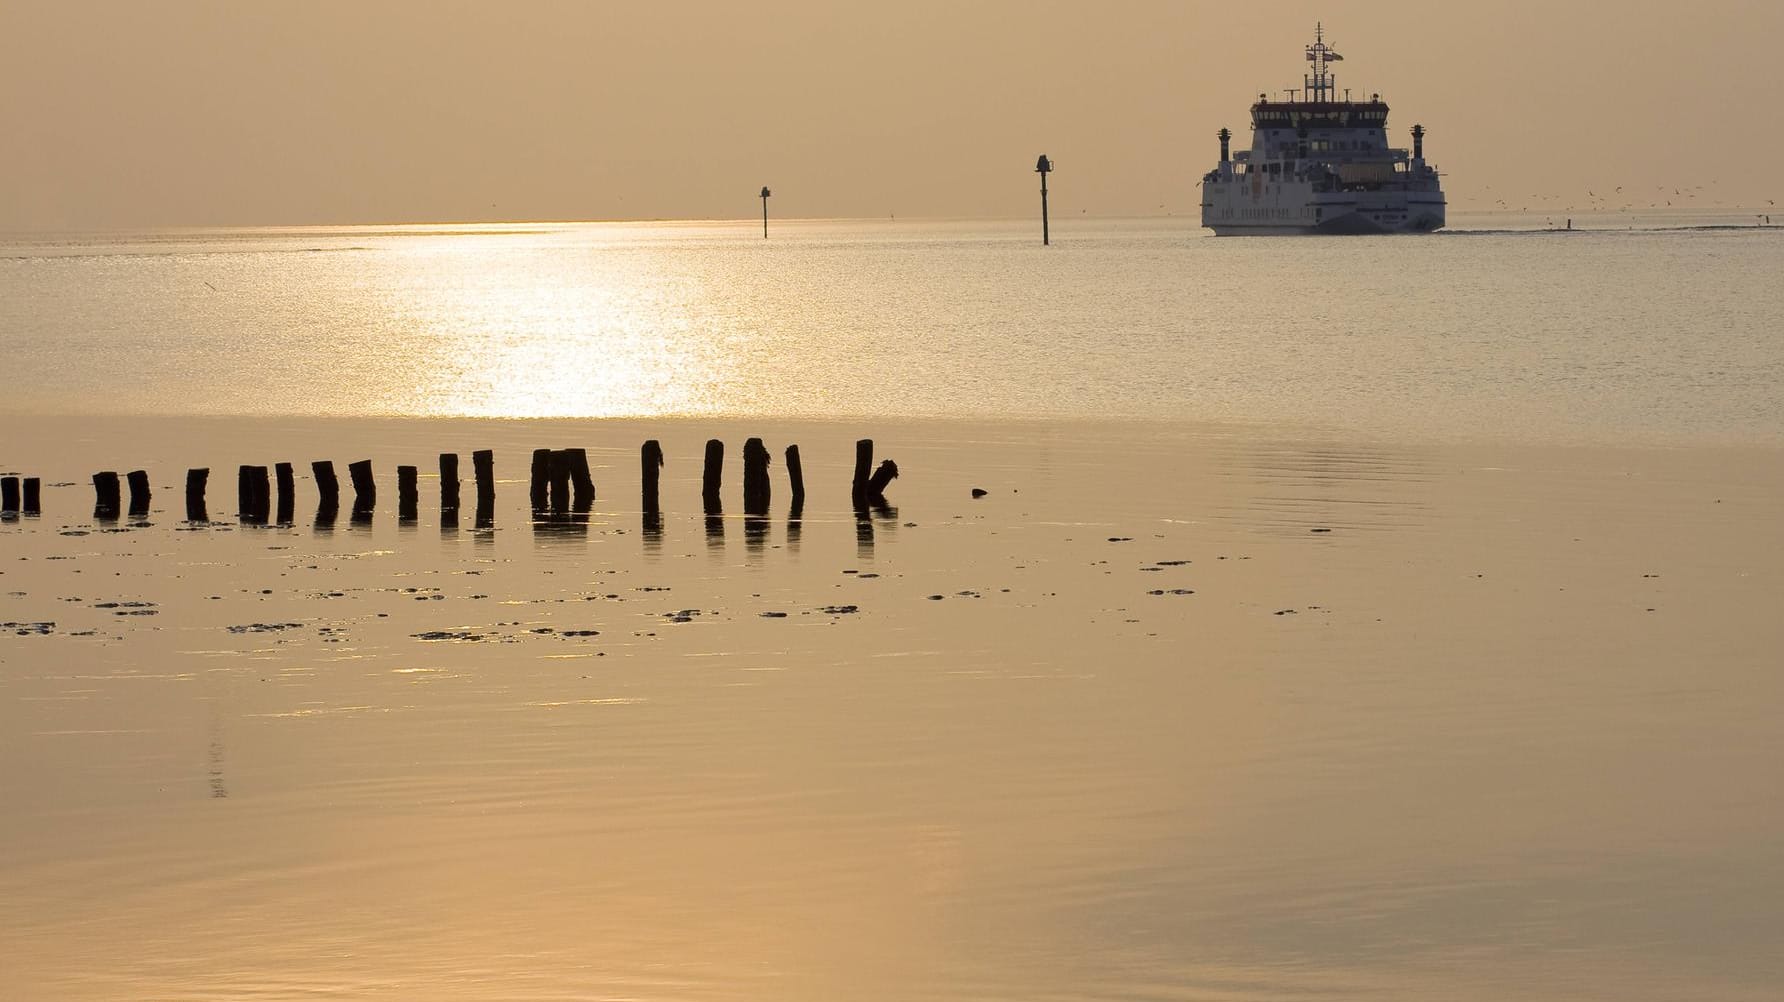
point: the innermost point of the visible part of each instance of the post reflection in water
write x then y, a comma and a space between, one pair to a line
865, 516
715, 531
560, 528
652, 525
755, 534
795, 521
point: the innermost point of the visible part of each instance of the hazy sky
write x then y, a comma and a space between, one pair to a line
135, 113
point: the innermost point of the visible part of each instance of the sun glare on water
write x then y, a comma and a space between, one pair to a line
506, 325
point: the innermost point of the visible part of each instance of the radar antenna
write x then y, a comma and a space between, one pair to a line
1320, 85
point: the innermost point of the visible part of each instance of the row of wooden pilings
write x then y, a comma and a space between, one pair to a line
561, 486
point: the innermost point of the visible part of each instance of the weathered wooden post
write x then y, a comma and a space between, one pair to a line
650, 461
1043, 166
408, 493
582, 496
863, 471
796, 477
251, 493
33, 496
449, 482
882, 478
756, 492
711, 478
328, 488
287, 481
765, 194
559, 473
263, 493
9, 495
139, 493
196, 479
106, 495
541, 482
365, 489
483, 466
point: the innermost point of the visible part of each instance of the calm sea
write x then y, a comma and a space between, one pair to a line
1651, 330
1388, 650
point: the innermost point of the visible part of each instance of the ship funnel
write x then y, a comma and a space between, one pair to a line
1226, 137
1418, 142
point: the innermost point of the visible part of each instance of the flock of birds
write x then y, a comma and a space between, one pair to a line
1618, 200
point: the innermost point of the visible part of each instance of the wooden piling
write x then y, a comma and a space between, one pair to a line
712, 477
328, 486
448, 482
106, 495
796, 477
408, 493
196, 480
756, 489
863, 470
483, 466
882, 478
541, 482
650, 460
287, 481
559, 472
365, 489
33, 496
253, 495
582, 484
9, 495
139, 492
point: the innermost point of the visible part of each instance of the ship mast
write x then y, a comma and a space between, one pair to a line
1320, 85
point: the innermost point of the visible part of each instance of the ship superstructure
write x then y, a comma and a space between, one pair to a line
1321, 163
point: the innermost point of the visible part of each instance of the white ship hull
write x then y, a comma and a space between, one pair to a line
1239, 207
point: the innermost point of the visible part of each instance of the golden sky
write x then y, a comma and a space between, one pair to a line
176, 112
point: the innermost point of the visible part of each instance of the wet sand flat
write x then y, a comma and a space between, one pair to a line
1173, 711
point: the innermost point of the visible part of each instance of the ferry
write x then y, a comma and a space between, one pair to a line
1320, 163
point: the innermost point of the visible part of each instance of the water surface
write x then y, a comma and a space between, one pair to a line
1344, 618
1607, 335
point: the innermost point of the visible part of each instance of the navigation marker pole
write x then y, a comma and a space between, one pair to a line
1041, 167
765, 194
